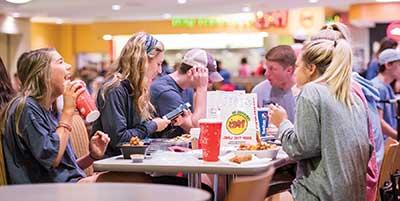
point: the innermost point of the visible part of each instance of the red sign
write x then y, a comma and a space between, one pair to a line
274, 18
393, 31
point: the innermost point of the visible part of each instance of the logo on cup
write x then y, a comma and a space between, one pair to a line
237, 123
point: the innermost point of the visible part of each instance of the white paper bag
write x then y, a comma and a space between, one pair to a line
238, 113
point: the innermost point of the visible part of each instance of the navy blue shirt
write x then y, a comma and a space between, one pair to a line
30, 155
166, 95
119, 118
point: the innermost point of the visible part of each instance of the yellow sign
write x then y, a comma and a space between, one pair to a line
237, 123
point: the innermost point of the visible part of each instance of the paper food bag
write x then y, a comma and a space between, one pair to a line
238, 112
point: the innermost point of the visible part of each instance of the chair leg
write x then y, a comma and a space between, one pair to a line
387, 192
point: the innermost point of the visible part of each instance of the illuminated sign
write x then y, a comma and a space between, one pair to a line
261, 20
393, 30
271, 19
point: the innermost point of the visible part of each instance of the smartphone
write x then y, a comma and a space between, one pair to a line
178, 111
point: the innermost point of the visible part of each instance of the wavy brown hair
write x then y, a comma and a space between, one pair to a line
33, 69
6, 90
132, 65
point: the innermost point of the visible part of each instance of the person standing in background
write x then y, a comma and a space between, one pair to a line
244, 68
389, 70
373, 66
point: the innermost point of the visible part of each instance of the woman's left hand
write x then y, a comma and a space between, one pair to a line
277, 114
98, 144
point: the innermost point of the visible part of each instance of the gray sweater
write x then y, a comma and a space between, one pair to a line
330, 143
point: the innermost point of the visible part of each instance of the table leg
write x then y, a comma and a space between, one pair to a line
215, 187
194, 180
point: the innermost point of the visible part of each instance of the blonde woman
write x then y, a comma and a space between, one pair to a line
36, 145
330, 135
124, 100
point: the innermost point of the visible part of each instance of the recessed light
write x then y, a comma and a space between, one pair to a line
167, 16
59, 21
246, 9
15, 14
107, 37
116, 7
313, 1
18, 1
181, 1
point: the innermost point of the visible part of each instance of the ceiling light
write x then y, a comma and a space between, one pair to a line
167, 16
181, 1
15, 15
107, 37
246, 9
18, 1
313, 1
387, 1
116, 7
59, 21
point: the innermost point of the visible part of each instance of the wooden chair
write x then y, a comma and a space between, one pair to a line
388, 163
3, 173
283, 196
250, 188
80, 139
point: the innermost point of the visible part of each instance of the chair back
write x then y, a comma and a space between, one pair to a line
80, 139
250, 188
388, 163
3, 173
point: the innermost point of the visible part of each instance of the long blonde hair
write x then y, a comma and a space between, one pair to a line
132, 66
33, 69
331, 53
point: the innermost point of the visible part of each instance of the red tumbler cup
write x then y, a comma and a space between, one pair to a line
86, 107
210, 138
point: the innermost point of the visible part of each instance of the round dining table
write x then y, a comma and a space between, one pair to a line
101, 192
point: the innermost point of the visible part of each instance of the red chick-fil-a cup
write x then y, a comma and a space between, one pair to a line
86, 106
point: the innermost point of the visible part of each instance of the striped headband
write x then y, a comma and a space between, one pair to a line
150, 43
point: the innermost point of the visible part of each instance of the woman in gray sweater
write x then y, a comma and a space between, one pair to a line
330, 136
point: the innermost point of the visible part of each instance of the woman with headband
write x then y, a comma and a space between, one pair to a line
124, 101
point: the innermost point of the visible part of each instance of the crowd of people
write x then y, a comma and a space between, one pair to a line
330, 120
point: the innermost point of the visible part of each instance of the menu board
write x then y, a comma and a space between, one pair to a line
238, 113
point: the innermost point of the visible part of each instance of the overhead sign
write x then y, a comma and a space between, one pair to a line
261, 20
393, 31
271, 19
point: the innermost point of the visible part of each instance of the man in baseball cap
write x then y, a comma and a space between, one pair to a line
188, 84
389, 70
201, 58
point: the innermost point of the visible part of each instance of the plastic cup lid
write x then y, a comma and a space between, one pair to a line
210, 120
92, 116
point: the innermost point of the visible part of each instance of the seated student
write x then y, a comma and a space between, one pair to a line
124, 100
168, 92
36, 146
277, 88
326, 162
